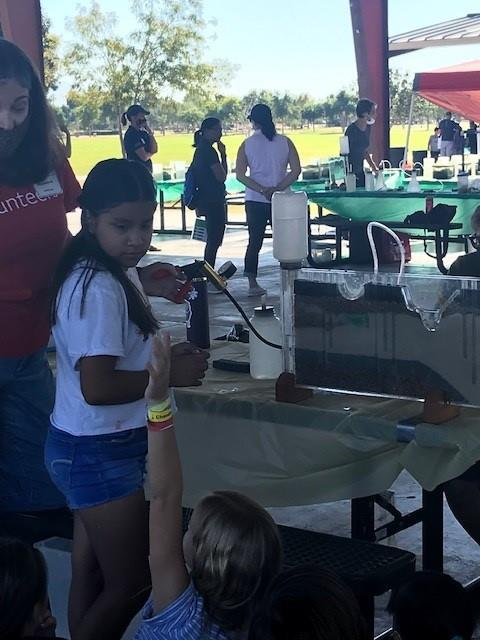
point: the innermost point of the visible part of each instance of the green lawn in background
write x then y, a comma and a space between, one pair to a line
311, 145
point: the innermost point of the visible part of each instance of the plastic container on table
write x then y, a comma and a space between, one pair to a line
265, 361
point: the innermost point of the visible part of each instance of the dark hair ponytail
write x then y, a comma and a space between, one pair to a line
268, 129
208, 123
124, 118
261, 116
109, 183
23, 585
197, 136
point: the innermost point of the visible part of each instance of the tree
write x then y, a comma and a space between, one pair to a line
90, 109
161, 52
400, 96
51, 59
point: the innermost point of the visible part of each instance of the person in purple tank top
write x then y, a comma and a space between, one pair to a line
272, 163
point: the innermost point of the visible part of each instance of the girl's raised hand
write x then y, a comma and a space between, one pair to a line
159, 369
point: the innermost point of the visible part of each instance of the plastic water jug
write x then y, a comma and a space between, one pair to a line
290, 226
265, 361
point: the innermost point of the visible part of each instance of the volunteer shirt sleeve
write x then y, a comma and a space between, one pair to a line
71, 187
101, 328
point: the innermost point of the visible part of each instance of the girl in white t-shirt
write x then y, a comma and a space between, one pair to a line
96, 447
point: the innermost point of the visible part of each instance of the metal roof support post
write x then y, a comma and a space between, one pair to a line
410, 118
370, 35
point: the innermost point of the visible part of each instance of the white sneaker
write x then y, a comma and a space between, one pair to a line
256, 291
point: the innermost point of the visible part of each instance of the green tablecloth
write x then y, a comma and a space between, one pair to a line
173, 189
394, 206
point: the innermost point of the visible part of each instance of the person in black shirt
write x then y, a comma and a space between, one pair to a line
471, 134
449, 130
139, 141
358, 134
210, 172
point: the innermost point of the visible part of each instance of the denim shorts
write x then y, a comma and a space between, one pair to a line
93, 470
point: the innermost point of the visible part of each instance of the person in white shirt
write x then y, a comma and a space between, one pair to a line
272, 163
97, 443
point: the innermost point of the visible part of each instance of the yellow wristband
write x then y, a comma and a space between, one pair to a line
159, 415
160, 406
154, 415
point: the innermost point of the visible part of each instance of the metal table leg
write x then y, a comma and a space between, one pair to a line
363, 518
432, 529
441, 248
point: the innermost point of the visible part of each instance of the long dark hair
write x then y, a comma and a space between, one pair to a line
208, 123
40, 150
23, 585
261, 115
109, 183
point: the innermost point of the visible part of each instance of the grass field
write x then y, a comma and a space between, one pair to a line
311, 145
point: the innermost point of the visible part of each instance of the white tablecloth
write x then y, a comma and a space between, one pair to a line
234, 436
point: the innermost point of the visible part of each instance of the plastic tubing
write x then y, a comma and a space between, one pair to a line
374, 249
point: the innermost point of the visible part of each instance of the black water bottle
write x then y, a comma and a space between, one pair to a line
197, 320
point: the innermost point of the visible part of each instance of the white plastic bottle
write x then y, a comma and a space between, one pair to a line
414, 185
265, 362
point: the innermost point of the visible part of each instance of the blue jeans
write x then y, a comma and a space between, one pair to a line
215, 218
26, 401
259, 214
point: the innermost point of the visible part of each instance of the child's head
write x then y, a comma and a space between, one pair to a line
118, 202
436, 131
431, 605
233, 550
308, 603
23, 588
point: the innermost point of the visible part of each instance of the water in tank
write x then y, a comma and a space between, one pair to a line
360, 333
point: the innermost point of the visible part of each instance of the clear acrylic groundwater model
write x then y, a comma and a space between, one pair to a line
374, 335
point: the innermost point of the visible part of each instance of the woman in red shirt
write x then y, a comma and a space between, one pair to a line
37, 188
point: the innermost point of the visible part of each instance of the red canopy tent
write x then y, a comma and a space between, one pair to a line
456, 88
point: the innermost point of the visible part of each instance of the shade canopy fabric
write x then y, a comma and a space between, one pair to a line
455, 88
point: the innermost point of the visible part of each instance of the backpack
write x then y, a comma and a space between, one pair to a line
190, 189
441, 214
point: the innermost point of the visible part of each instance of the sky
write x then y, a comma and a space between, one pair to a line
277, 47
